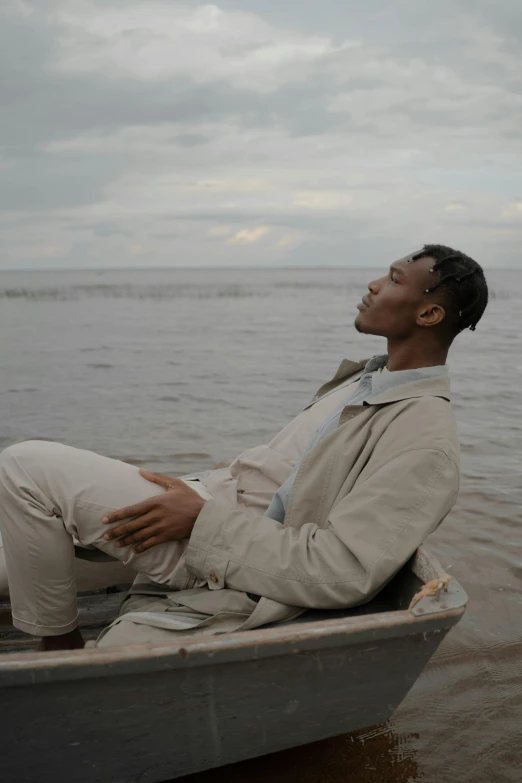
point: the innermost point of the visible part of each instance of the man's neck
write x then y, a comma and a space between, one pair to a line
404, 356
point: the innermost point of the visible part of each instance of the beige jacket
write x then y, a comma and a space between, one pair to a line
255, 474
364, 499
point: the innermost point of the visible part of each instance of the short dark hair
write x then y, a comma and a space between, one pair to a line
462, 282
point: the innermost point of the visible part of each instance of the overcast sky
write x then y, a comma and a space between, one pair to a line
258, 132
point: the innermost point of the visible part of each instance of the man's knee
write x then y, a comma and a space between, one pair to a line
18, 454
18, 451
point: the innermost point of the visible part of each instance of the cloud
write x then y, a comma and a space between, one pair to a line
160, 41
219, 231
247, 235
513, 211
325, 200
231, 186
169, 125
289, 240
455, 206
52, 251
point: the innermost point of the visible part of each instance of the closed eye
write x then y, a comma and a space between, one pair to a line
395, 274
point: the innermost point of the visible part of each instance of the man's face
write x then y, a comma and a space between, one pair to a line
393, 303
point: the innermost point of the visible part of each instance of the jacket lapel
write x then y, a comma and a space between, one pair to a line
345, 370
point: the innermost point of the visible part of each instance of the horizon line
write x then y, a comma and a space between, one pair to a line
195, 268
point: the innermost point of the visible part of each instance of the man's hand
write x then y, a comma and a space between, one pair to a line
167, 517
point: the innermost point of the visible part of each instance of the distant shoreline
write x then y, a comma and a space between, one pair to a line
218, 268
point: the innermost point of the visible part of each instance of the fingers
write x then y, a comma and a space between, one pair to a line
130, 511
149, 543
140, 535
131, 526
157, 478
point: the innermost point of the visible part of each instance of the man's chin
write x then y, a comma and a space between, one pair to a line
359, 325
362, 327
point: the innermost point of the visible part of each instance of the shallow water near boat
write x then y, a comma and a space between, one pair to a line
178, 369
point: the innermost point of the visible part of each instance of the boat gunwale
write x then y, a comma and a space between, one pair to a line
431, 614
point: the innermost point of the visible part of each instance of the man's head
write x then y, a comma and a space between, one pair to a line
437, 291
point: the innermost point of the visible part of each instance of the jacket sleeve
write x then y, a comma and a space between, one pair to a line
369, 535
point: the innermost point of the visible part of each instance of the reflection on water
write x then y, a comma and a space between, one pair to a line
374, 755
178, 370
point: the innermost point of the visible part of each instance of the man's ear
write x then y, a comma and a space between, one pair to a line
431, 315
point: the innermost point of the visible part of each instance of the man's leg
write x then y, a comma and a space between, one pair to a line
50, 493
4, 589
89, 575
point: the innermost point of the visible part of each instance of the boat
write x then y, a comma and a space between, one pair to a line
154, 713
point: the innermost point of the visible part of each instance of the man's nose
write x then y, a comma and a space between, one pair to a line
373, 287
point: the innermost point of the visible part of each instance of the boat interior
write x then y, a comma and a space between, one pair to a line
99, 606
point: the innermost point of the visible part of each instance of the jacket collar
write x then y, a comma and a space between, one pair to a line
428, 387
346, 369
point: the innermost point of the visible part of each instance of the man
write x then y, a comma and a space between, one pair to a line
321, 517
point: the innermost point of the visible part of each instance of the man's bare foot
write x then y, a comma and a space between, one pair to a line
66, 641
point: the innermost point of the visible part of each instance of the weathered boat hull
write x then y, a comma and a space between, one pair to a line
152, 714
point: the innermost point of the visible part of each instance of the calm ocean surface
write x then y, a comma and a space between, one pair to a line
177, 369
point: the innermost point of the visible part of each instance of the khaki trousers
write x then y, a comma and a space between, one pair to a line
4, 589
52, 495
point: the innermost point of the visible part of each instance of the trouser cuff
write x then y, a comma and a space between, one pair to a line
36, 629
